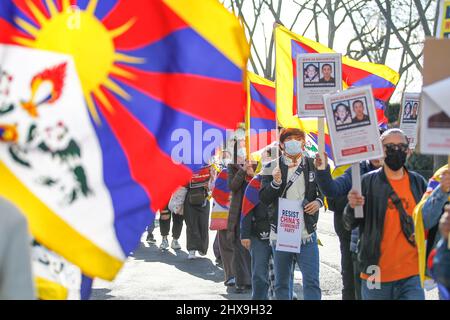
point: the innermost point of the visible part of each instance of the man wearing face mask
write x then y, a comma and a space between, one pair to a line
294, 179
388, 254
336, 190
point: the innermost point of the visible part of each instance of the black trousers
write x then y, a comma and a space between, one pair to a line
197, 226
348, 277
177, 226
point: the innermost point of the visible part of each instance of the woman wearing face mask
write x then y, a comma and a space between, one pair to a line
239, 175
294, 178
387, 250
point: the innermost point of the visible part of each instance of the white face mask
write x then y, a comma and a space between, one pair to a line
293, 147
226, 162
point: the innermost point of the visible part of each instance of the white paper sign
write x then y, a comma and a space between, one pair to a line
317, 74
409, 117
353, 126
290, 225
435, 118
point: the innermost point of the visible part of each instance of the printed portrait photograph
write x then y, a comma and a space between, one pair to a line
311, 74
360, 115
342, 115
327, 74
410, 111
350, 114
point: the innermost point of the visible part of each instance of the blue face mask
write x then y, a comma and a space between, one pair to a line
293, 147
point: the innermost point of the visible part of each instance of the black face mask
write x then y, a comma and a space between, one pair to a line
395, 159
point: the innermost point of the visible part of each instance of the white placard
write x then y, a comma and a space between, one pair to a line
435, 118
353, 125
290, 225
409, 117
317, 74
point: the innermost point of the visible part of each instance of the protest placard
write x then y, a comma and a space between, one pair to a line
443, 26
290, 225
434, 116
317, 74
409, 114
353, 125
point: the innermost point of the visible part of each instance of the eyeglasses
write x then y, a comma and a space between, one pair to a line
401, 146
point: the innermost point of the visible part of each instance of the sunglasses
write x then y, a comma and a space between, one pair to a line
401, 146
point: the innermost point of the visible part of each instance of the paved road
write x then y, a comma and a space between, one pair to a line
155, 275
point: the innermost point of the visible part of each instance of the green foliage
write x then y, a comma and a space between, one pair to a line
422, 164
392, 112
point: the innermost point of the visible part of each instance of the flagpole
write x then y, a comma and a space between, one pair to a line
275, 26
448, 241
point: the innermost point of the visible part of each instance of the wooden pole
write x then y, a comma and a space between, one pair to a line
448, 241
356, 185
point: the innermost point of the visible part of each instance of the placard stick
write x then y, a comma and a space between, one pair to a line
448, 243
356, 185
321, 140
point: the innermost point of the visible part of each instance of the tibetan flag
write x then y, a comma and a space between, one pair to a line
251, 196
109, 101
421, 232
221, 193
260, 120
354, 73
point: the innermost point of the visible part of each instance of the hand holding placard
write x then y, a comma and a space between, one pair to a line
356, 184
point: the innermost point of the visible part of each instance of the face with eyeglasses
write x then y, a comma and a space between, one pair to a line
395, 142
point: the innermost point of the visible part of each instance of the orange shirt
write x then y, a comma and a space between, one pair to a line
399, 259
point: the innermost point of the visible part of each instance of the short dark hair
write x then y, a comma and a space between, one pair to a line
327, 64
360, 101
341, 104
288, 132
311, 65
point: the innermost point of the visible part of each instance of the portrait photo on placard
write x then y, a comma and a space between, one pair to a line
327, 74
350, 114
311, 74
410, 111
342, 115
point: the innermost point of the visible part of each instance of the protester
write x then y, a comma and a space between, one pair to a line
427, 215
255, 230
164, 226
196, 214
239, 174
336, 192
16, 281
441, 261
150, 237
293, 178
225, 245
388, 254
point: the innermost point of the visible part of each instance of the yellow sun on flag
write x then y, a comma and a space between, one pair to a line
82, 35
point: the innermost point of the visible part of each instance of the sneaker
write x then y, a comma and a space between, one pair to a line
164, 244
175, 245
230, 282
151, 238
191, 255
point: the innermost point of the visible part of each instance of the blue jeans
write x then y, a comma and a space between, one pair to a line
260, 252
404, 289
308, 262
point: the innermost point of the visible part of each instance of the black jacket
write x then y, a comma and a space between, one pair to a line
270, 195
375, 189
